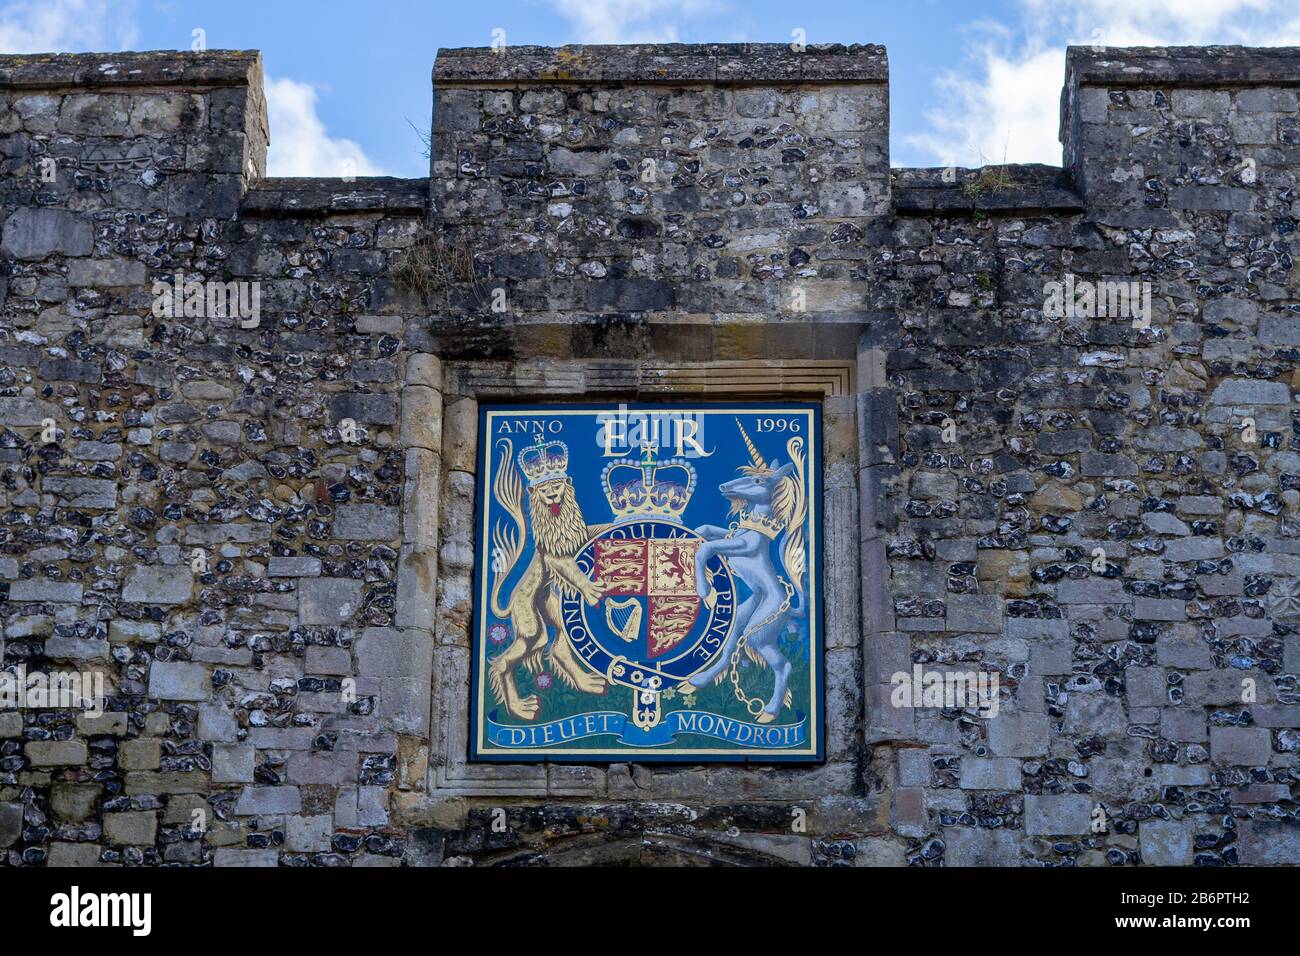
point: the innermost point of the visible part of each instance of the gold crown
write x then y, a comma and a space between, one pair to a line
766, 525
544, 461
635, 488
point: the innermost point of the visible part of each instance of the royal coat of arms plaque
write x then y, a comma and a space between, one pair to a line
648, 583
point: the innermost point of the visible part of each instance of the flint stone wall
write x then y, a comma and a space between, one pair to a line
640, 223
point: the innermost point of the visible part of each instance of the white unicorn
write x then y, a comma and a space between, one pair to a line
770, 502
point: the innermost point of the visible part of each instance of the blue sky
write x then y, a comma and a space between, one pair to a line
972, 81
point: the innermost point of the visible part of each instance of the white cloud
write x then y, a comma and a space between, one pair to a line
631, 21
300, 146
1009, 114
1158, 22
1003, 105
67, 26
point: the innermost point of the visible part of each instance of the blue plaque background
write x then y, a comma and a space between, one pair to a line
705, 603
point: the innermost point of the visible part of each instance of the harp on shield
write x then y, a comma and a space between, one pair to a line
624, 618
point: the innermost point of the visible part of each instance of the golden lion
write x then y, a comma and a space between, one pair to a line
559, 533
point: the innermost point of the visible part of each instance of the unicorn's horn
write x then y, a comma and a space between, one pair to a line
753, 451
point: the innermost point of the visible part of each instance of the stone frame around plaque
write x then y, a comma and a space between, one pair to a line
856, 404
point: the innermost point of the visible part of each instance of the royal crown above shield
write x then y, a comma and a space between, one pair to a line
544, 461
645, 488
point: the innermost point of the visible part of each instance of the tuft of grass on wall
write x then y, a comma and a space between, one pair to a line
431, 267
992, 179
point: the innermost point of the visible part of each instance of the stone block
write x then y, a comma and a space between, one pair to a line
1097, 465
159, 584
11, 823
425, 370
217, 723
26, 412
1166, 842
168, 112
71, 370
971, 846
1158, 609
268, 800
144, 753
34, 232
879, 852
1173, 651
328, 601
1051, 657
43, 591
309, 834
293, 567
328, 660
372, 806
305, 767
105, 273
1227, 687
233, 764
131, 829
1250, 391
72, 856
237, 856
909, 814
402, 660
421, 418
89, 493
1146, 686
1095, 714
977, 613
417, 572
1240, 746
1186, 723
1277, 716
1019, 735
179, 680
460, 436
281, 738
1058, 815
1270, 843
57, 753
1033, 630
219, 433
1261, 793
990, 773
914, 767
93, 113
364, 409
74, 802
1091, 590
366, 522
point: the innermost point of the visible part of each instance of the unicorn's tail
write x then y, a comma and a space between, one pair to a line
800, 608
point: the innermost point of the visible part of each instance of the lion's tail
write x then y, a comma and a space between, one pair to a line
507, 542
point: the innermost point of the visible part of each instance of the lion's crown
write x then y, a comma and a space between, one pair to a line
544, 461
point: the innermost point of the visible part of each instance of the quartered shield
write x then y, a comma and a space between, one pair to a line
650, 602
